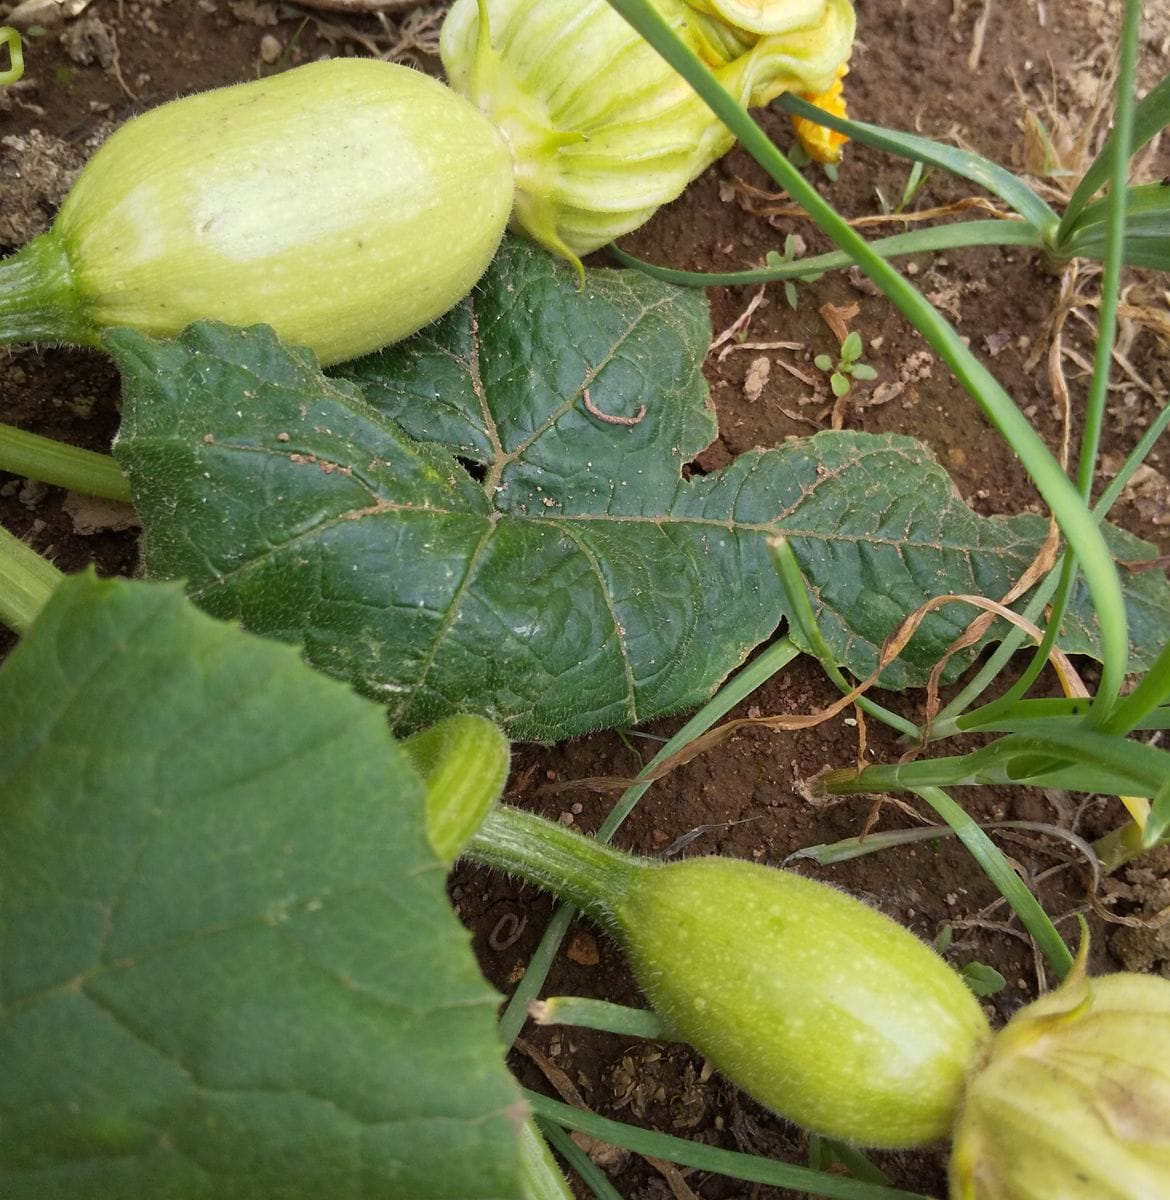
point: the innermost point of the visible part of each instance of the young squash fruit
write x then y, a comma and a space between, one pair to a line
346, 203
825, 1010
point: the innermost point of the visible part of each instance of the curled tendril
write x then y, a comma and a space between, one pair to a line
10, 38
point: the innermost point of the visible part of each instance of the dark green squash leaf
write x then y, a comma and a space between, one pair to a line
229, 970
458, 523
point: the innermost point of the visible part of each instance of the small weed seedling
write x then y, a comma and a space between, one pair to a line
848, 366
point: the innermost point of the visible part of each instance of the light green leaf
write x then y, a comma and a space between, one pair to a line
982, 979
229, 969
1147, 228
1150, 117
459, 524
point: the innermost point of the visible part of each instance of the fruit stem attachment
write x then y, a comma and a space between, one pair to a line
37, 300
589, 874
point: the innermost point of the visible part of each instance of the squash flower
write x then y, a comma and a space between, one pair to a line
1073, 1100
820, 143
602, 130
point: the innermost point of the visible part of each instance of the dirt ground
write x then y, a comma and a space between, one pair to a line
987, 75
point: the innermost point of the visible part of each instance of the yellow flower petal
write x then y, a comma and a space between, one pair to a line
821, 144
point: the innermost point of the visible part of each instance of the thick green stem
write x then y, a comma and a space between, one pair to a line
576, 868
37, 299
49, 461
26, 582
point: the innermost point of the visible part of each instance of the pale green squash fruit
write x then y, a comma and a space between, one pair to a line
822, 1008
346, 203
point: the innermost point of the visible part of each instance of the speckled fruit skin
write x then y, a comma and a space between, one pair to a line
346, 203
820, 1007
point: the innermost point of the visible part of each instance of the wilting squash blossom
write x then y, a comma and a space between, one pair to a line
602, 130
820, 143
1073, 1101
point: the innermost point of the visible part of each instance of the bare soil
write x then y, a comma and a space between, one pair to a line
989, 76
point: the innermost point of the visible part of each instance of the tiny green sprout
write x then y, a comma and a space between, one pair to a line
774, 261
982, 979
848, 366
915, 181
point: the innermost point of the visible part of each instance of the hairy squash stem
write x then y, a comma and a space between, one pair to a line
50, 461
775, 658
591, 875
1053, 484
26, 582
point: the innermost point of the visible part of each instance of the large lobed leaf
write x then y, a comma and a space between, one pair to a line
229, 971
451, 525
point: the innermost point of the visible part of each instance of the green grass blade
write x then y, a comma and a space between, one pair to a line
805, 622
1052, 752
956, 236
1094, 410
1149, 117
974, 167
1158, 822
1052, 707
997, 868
948, 720
590, 1173
1122, 766
1152, 691
731, 1163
